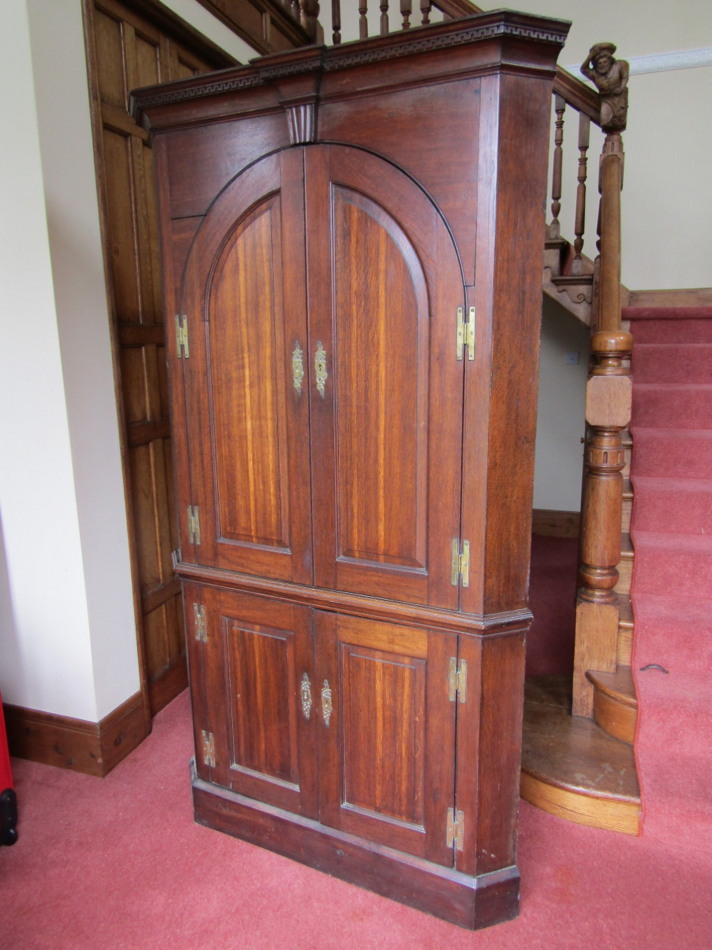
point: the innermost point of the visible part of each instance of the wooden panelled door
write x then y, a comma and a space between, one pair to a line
340, 719
126, 50
322, 394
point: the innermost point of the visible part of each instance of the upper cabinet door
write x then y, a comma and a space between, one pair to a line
383, 290
244, 380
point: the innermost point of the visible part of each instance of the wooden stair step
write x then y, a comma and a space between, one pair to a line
625, 566
625, 630
627, 505
615, 706
571, 767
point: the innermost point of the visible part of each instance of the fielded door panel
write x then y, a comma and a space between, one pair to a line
255, 718
247, 418
384, 287
386, 725
126, 49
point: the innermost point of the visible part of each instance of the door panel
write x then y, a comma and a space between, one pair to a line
258, 676
126, 49
248, 426
387, 750
384, 288
381, 299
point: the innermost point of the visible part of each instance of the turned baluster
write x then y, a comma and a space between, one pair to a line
336, 22
294, 7
425, 12
362, 19
580, 222
309, 16
384, 17
559, 107
406, 8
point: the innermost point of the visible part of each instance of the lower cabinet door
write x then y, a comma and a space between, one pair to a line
386, 725
253, 696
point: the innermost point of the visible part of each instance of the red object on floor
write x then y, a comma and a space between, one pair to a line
8, 800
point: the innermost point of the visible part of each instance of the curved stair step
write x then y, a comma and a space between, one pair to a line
571, 767
615, 706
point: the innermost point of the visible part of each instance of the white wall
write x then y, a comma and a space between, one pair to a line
561, 410
67, 627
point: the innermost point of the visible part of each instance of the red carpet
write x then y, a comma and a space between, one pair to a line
672, 580
552, 598
118, 864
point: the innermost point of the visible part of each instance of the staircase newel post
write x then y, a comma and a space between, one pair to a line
608, 401
608, 405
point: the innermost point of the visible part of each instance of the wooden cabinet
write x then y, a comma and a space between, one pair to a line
352, 244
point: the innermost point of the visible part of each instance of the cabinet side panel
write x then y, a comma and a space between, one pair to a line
508, 295
500, 751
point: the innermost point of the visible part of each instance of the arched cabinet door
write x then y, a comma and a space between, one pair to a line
384, 286
323, 395
246, 406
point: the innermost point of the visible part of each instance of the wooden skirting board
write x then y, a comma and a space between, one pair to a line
90, 747
556, 524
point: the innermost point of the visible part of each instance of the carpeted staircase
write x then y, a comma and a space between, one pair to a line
672, 580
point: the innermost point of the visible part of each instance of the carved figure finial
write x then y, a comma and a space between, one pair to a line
610, 76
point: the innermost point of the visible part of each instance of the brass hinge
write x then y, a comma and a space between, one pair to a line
455, 831
208, 749
201, 624
466, 333
182, 348
460, 563
193, 524
457, 680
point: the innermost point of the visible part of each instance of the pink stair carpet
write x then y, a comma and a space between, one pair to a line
672, 579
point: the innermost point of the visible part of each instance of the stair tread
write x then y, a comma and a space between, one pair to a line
571, 752
618, 686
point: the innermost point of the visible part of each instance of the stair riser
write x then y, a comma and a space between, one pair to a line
625, 573
670, 407
667, 454
673, 363
671, 331
616, 718
626, 515
674, 511
625, 646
